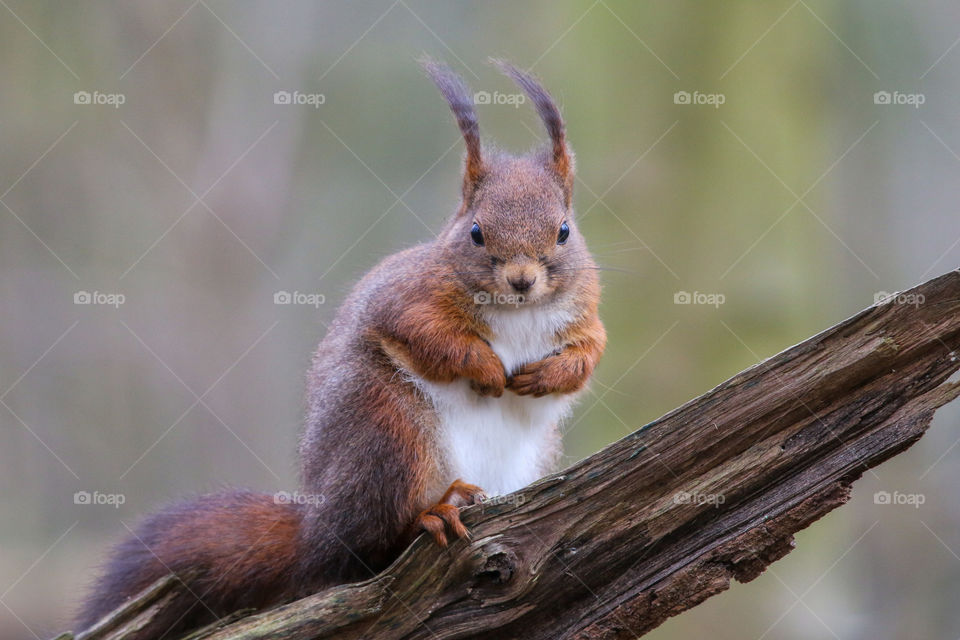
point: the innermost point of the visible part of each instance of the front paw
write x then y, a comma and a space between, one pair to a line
492, 390
487, 376
553, 374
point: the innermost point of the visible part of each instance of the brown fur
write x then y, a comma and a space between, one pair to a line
373, 468
237, 546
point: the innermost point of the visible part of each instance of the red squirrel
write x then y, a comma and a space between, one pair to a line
449, 363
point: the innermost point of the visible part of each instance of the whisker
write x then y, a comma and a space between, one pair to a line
613, 253
608, 245
596, 268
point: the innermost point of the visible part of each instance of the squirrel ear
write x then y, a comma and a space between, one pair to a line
458, 96
561, 158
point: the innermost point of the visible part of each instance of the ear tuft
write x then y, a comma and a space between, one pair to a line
561, 159
460, 99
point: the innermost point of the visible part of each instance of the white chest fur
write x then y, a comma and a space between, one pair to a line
503, 444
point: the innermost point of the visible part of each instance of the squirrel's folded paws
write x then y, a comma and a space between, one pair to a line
495, 390
554, 374
486, 373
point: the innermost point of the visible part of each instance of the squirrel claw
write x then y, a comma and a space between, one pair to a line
525, 384
446, 513
437, 518
435, 526
486, 390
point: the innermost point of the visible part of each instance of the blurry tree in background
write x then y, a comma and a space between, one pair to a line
182, 163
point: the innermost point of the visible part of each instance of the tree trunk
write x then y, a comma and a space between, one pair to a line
663, 519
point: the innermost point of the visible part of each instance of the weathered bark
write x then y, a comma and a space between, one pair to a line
663, 519
133, 614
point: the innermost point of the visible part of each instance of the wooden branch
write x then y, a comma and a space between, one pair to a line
663, 519
134, 614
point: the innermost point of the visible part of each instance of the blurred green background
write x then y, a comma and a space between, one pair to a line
198, 198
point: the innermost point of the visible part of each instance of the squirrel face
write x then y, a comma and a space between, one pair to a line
517, 239
514, 234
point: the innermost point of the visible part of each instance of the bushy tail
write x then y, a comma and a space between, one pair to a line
235, 549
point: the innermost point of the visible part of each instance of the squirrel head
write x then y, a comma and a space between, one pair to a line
514, 234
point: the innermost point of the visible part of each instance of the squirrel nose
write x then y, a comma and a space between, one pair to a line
522, 283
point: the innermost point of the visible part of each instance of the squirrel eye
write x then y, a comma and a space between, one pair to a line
476, 235
564, 233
